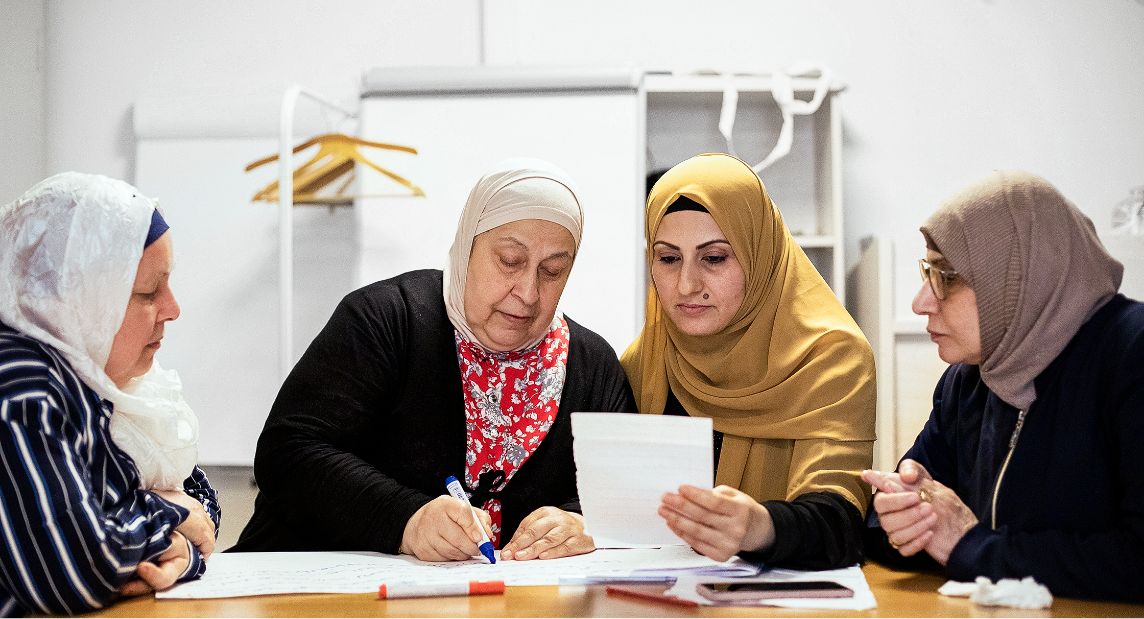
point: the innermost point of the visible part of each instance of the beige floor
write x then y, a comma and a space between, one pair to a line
236, 491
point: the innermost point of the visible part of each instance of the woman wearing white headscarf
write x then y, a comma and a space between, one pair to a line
470, 373
101, 495
1030, 463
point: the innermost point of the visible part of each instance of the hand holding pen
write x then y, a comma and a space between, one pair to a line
485, 546
445, 529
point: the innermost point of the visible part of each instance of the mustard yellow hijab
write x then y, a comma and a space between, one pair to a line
792, 364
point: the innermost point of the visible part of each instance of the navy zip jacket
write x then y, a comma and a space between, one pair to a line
1070, 505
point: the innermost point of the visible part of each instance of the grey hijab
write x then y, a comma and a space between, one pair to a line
1037, 267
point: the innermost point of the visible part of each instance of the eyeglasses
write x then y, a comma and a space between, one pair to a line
940, 282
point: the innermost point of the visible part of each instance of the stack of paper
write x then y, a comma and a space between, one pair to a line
263, 573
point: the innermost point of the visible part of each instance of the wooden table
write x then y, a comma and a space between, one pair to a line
899, 594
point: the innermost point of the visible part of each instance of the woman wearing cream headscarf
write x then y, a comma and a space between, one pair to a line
471, 373
100, 495
741, 328
1029, 464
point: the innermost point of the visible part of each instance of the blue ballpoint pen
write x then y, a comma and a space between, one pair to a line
455, 489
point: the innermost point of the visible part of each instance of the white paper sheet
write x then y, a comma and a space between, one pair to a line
265, 573
851, 577
624, 465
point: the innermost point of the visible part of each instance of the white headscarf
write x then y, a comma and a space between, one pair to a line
69, 251
515, 189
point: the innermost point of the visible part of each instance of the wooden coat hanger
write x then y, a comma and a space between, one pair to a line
336, 158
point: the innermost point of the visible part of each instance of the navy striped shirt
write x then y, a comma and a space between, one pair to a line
74, 523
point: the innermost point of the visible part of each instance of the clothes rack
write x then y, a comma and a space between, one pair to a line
286, 216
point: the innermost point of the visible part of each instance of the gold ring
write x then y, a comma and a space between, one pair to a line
924, 495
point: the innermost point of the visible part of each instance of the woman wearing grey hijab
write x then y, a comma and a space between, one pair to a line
1028, 464
471, 372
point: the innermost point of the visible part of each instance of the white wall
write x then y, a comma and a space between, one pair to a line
940, 93
106, 55
21, 96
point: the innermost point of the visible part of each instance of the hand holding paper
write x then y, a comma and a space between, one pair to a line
624, 466
718, 523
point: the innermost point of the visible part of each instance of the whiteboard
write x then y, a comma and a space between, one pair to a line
597, 137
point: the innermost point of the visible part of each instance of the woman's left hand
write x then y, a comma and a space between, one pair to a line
198, 527
718, 523
954, 519
548, 533
920, 511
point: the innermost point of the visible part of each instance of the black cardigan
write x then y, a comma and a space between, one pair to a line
371, 421
1070, 509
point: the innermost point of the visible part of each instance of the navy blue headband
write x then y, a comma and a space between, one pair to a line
158, 227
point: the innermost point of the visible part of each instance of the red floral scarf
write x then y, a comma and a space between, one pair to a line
511, 400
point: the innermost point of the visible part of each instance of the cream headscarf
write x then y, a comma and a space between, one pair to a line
791, 365
515, 189
1037, 267
69, 251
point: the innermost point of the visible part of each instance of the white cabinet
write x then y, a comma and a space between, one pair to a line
806, 185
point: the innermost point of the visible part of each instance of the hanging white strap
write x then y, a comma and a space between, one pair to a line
789, 106
730, 108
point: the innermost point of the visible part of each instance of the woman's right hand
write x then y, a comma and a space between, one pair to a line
161, 572
443, 530
907, 520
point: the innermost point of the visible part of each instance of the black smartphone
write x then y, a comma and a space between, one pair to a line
748, 591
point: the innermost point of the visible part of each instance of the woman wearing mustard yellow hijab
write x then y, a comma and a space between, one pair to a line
741, 328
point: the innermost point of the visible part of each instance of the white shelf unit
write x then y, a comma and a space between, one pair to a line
682, 120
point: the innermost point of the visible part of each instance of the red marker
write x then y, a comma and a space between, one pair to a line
413, 590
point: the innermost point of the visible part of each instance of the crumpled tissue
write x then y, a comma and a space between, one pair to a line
1025, 593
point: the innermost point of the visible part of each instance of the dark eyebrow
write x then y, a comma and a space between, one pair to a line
699, 246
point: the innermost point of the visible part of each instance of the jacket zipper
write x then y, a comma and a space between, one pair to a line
1005, 465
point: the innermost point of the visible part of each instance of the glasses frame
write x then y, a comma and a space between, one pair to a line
940, 281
